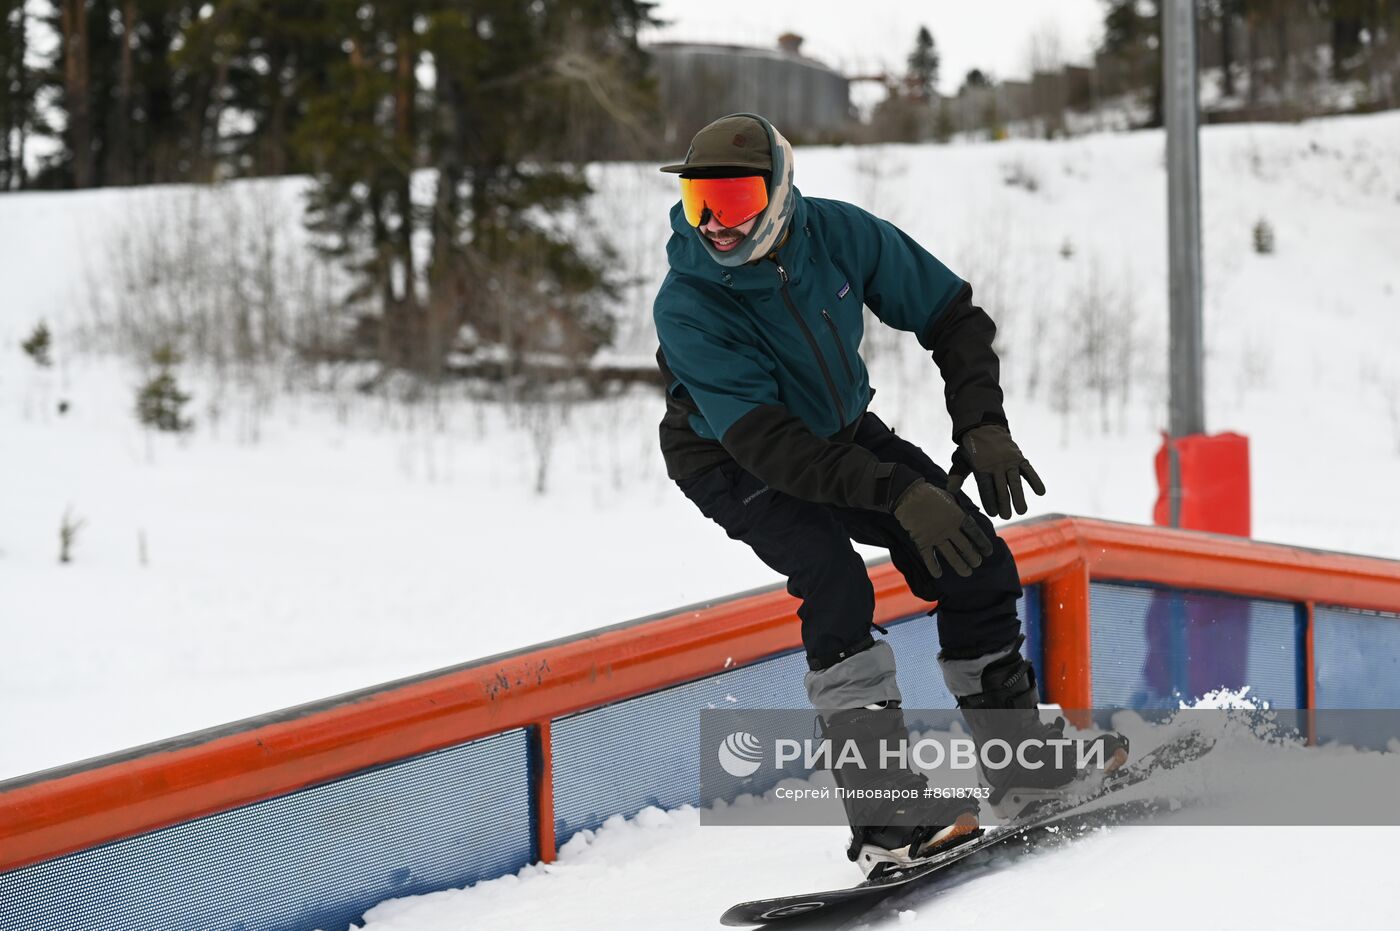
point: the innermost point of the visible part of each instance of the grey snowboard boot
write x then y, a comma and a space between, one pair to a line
893, 821
998, 696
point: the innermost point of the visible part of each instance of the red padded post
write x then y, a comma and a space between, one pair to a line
1068, 671
1214, 483
545, 841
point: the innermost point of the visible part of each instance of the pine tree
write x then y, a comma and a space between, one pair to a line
38, 344
491, 125
279, 55
357, 137
977, 78
75, 57
1132, 33
17, 90
160, 402
523, 93
923, 66
907, 114
110, 64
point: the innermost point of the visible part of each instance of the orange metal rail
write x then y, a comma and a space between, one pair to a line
77, 807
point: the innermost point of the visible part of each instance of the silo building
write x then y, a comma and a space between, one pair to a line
807, 100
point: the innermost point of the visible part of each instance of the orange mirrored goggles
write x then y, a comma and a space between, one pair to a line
733, 201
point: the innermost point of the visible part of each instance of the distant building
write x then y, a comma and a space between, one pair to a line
697, 83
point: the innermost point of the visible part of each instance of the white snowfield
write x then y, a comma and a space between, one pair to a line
300, 544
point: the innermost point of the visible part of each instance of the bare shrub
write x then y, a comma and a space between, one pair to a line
880, 172
68, 535
540, 406
1035, 370
1254, 369
220, 270
1376, 380
1017, 173
1098, 351
991, 257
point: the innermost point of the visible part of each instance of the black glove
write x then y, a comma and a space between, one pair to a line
989, 453
939, 526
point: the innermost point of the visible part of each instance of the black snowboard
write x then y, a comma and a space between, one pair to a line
943, 865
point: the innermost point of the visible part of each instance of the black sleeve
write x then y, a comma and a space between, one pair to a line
961, 338
781, 451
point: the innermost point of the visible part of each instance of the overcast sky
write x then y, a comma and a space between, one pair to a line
861, 36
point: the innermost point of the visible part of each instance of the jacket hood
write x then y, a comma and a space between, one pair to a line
768, 229
688, 254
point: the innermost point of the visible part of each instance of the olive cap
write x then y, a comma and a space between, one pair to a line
730, 143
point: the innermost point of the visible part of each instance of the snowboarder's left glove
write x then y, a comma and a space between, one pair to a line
989, 453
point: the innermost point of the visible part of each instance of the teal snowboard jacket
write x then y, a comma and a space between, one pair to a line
762, 361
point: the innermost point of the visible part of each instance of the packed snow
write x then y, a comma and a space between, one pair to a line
665, 869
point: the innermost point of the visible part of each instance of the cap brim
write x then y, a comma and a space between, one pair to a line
724, 167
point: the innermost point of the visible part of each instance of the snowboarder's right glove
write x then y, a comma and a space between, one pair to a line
940, 527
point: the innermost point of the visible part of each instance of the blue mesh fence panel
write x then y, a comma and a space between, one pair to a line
1032, 625
1356, 658
316, 858
916, 645
1153, 646
645, 751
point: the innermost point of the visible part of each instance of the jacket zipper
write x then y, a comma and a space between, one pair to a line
812, 342
845, 362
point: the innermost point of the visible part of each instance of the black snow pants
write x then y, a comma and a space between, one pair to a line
810, 544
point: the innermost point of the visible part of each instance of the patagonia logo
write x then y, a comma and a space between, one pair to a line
845, 289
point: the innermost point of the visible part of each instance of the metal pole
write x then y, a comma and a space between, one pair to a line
1187, 414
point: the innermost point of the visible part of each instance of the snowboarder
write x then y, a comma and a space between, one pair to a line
768, 431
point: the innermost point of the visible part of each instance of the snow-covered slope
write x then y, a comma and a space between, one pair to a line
668, 870
664, 870
301, 544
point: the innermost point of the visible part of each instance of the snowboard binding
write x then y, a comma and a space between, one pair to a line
876, 861
1011, 802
